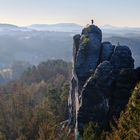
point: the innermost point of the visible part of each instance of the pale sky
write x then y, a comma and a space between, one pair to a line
114, 12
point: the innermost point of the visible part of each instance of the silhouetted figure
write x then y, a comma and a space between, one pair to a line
92, 22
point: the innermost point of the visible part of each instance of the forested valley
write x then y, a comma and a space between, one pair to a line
33, 107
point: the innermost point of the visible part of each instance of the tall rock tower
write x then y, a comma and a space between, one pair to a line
101, 80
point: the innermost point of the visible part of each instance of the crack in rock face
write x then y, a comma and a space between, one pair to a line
102, 79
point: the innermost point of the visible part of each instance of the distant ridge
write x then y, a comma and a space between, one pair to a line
5, 25
68, 27
110, 27
58, 24
65, 27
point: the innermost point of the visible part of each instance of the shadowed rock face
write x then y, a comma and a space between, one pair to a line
103, 77
88, 53
107, 51
122, 58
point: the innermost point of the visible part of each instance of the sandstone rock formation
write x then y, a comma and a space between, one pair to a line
103, 77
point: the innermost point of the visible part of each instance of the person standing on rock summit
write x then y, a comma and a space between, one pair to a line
92, 22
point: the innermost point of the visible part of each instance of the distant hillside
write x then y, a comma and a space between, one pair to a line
61, 27
8, 26
40, 42
123, 31
34, 46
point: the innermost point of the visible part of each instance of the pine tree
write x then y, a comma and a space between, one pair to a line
129, 122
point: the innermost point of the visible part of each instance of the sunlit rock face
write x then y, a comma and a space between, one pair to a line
102, 78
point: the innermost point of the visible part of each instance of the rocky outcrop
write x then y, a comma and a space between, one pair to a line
122, 58
103, 77
88, 53
107, 51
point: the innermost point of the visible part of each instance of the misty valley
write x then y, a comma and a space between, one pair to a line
22, 47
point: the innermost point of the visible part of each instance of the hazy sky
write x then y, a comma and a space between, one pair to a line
114, 12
